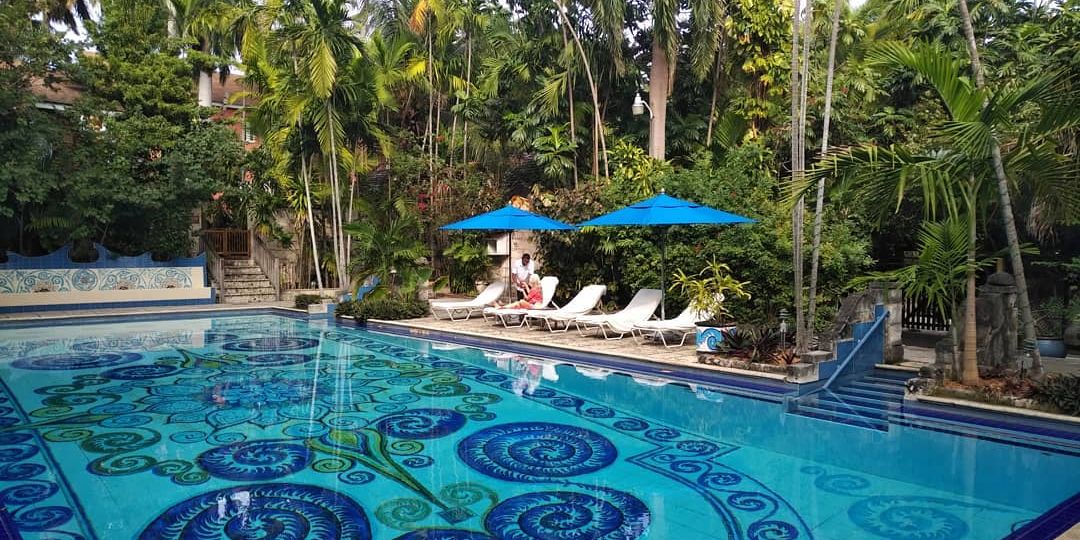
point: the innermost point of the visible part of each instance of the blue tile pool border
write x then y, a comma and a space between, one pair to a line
98, 318
1052, 523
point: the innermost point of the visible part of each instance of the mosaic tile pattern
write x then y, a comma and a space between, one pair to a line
288, 430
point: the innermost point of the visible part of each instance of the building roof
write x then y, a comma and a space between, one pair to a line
221, 93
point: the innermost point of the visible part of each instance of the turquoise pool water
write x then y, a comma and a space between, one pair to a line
271, 427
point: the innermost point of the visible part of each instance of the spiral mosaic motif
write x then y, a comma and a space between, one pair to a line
772, 530
445, 534
265, 511
135, 373
256, 460
421, 423
536, 451
603, 515
278, 359
908, 518
270, 344
75, 361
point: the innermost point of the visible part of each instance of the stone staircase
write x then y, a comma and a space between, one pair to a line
865, 401
245, 283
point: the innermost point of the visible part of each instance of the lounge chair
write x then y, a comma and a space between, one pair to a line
455, 309
503, 315
684, 325
581, 304
618, 324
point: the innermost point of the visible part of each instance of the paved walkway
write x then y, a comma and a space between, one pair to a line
683, 357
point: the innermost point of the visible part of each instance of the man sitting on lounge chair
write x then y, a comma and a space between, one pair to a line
534, 296
519, 277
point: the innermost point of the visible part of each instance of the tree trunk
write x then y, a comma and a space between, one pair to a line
796, 178
598, 133
815, 256
339, 237
305, 173
468, 89
206, 93
429, 138
712, 102
1016, 259
970, 365
570, 104
349, 217
659, 84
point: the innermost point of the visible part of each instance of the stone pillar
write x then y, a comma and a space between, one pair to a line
996, 321
889, 295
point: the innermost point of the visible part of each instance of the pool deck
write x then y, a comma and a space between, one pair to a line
683, 357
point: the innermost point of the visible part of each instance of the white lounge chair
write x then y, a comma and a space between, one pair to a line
581, 304
685, 325
618, 324
455, 308
503, 315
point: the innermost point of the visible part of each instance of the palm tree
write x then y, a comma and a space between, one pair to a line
951, 175
388, 246
1007, 216
815, 250
66, 12
212, 26
706, 23
940, 274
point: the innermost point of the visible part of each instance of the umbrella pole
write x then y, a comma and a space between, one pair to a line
510, 266
663, 269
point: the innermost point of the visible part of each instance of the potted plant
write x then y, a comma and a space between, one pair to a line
1072, 324
1050, 324
707, 292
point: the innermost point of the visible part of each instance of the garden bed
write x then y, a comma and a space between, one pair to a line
797, 372
1052, 398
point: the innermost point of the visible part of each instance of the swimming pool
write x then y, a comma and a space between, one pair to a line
264, 426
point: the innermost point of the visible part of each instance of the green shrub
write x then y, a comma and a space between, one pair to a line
387, 308
468, 262
302, 301
1061, 392
757, 344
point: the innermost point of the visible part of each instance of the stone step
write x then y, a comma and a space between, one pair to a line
246, 281
230, 291
249, 298
243, 271
234, 263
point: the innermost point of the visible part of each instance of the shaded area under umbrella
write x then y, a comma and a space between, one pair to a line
508, 219
664, 211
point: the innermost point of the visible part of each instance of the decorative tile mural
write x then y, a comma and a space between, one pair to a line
56, 272
94, 279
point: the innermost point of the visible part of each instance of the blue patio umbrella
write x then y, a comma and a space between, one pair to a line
509, 219
664, 211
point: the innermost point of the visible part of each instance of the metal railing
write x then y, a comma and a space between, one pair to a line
215, 266
920, 315
270, 264
875, 332
229, 243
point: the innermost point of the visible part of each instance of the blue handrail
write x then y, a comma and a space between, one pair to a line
855, 350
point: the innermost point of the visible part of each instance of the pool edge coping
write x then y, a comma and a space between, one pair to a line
999, 409
703, 368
